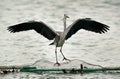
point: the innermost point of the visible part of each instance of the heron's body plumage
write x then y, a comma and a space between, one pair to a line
61, 40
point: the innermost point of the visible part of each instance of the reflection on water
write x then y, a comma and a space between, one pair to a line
27, 47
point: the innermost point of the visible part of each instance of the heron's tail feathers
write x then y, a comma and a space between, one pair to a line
51, 43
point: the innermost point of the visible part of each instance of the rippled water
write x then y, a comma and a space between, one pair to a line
27, 47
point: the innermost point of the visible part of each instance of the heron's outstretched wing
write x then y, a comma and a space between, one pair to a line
39, 27
86, 24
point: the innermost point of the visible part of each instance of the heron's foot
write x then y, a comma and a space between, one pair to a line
57, 64
66, 59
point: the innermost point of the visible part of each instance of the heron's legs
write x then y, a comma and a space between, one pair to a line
56, 57
64, 58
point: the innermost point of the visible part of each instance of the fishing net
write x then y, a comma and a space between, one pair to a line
65, 65
72, 66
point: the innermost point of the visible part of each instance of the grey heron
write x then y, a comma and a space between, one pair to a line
60, 37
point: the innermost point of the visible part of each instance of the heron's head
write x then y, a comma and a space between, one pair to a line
66, 16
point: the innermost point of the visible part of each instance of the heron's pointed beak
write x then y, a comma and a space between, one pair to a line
67, 17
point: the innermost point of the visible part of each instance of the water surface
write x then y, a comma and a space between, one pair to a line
27, 47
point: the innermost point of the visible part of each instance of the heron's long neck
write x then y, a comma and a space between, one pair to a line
64, 20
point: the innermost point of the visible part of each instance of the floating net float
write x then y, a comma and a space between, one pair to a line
71, 67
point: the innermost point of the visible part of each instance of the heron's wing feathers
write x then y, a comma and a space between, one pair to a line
39, 27
86, 24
